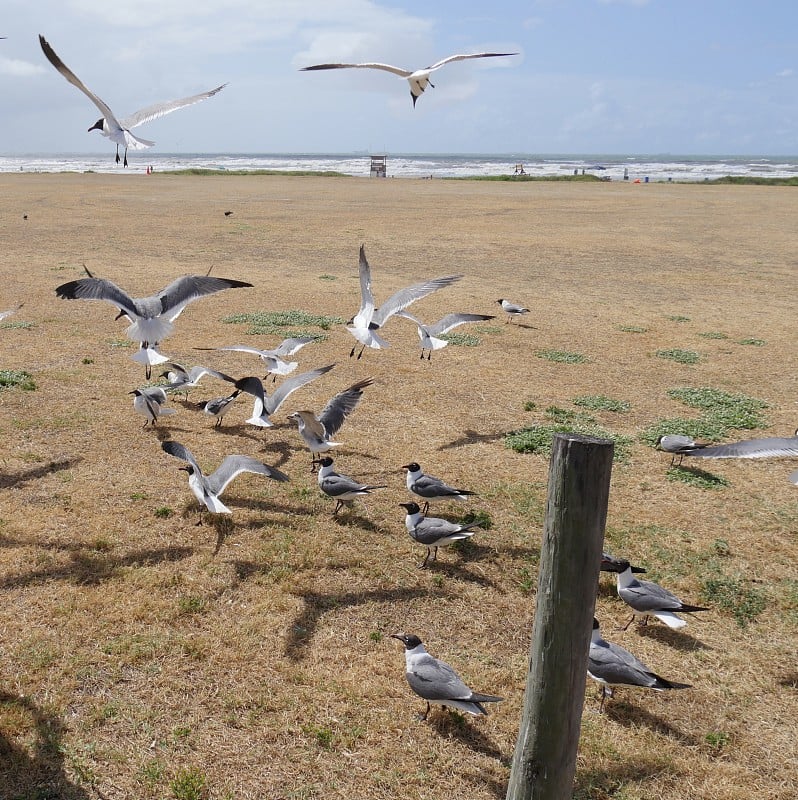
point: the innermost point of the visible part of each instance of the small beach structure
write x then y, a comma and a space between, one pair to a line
519, 170
379, 167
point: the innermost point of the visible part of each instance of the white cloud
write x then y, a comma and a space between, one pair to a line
786, 73
18, 68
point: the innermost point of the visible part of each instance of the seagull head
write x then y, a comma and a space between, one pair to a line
326, 462
98, 126
412, 508
409, 640
411, 467
616, 565
188, 468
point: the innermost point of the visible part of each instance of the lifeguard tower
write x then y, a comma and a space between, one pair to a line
379, 167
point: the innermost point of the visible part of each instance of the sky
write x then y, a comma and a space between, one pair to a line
592, 76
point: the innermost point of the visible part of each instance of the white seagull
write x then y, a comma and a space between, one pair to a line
429, 488
430, 334
418, 79
340, 487
369, 319
318, 431
610, 665
275, 365
151, 318
207, 488
118, 130
181, 379
512, 309
677, 444
434, 532
149, 402
436, 682
266, 405
218, 406
647, 598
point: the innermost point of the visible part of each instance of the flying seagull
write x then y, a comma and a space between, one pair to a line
266, 405
771, 447
429, 488
430, 334
677, 444
275, 365
369, 319
512, 309
436, 682
8, 312
207, 488
340, 487
181, 379
647, 598
318, 431
118, 130
434, 532
151, 318
218, 406
149, 402
418, 79
610, 665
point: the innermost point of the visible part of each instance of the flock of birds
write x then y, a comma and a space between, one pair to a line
118, 130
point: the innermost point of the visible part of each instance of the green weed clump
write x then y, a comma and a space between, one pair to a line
538, 438
713, 335
680, 356
734, 595
696, 477
462, 339
284, 323
561, 356
188, 784
632, 328
17, 378
752, 341
599, 402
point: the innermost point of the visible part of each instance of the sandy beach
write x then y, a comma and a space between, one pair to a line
133, 653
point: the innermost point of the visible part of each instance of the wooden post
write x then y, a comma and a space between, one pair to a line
573, 537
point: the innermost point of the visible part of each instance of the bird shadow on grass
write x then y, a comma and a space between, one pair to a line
239, 431
472, 437
453, 725
88, 569
590, 783
11, 481
316, 605
35, 769
673, 638
348, 519
631, 716
460, 572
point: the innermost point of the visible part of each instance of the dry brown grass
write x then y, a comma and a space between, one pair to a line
134, 658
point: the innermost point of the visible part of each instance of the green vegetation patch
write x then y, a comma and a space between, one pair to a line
753, 341
462, 339
699, 478
567, 416
735, 595
21, 324
561, 356
11, 378
713, 335
724, 408
538, 438
678, 318
284, 323
680, 356
224, 172
632, 328
599, 402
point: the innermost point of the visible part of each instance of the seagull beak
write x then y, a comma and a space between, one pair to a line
400, 636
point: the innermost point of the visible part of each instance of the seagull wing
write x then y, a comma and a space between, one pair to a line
178, 294
449, 59
341, 406
241, 348
161, 109
436, 680
773, 447
53, 58
363, 317
646, 596
291, 385
613, 664
290, 346
195, 373
235, 465
404, 297
182, 452
98, 289
453, 320
10, 311
402, 73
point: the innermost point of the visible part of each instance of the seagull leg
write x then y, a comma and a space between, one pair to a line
361, 352
339, 504
117, 154
426, 558
626, 627
125, 164
423, 717
426, 508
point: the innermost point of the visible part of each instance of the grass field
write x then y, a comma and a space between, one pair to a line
145, 657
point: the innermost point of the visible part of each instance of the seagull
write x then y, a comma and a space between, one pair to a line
610, 665
434, 532
436, 682
678, 445
429, 334
207, 488
10, 311
118, 130
318, 431
341, 487
149, 403
429, 488
772, 447
181, 379
418, 79
512, 309
219, 406
151, 317
274, 358
266, 405
648, 598
368, 320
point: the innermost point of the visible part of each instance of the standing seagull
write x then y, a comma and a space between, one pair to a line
418, 79
677, 444
318, 431
369, 319
436, 682
207, 488
647, 598
512, 309
341, 487
149, 402
434, 532
151, 317
429, 334
429, 488
118, 131
610, 665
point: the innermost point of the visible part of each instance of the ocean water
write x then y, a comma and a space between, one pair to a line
404, 165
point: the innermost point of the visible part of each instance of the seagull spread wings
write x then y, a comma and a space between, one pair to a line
340, 407
161, 109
